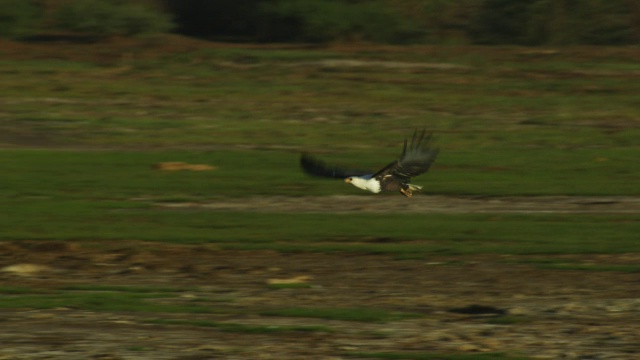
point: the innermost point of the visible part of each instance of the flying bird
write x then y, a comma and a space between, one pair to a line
416, 159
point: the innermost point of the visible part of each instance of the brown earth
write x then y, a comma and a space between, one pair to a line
422, 203
466, 304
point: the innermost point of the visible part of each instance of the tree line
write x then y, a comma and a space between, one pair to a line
520, 22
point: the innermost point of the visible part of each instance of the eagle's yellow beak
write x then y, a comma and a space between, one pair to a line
347, 180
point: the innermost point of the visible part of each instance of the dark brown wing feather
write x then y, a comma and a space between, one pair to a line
415, 159
316, 167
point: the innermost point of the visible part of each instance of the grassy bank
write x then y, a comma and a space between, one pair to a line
81, 135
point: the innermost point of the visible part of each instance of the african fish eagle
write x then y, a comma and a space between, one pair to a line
414, 160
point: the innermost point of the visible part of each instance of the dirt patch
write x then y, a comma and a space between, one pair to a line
425, 204
464, 304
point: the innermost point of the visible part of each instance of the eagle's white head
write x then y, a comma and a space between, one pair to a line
365, 183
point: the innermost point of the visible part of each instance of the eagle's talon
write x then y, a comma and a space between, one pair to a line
406, 192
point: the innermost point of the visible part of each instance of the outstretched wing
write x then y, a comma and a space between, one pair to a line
415, 159
316, 167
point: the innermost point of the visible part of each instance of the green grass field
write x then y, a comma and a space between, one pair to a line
79, 140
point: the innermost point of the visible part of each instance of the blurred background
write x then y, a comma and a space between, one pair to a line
532, 22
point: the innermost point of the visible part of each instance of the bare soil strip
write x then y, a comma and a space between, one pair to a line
425, 204
465, 304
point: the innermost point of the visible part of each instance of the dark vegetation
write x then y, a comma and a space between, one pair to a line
534, 22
